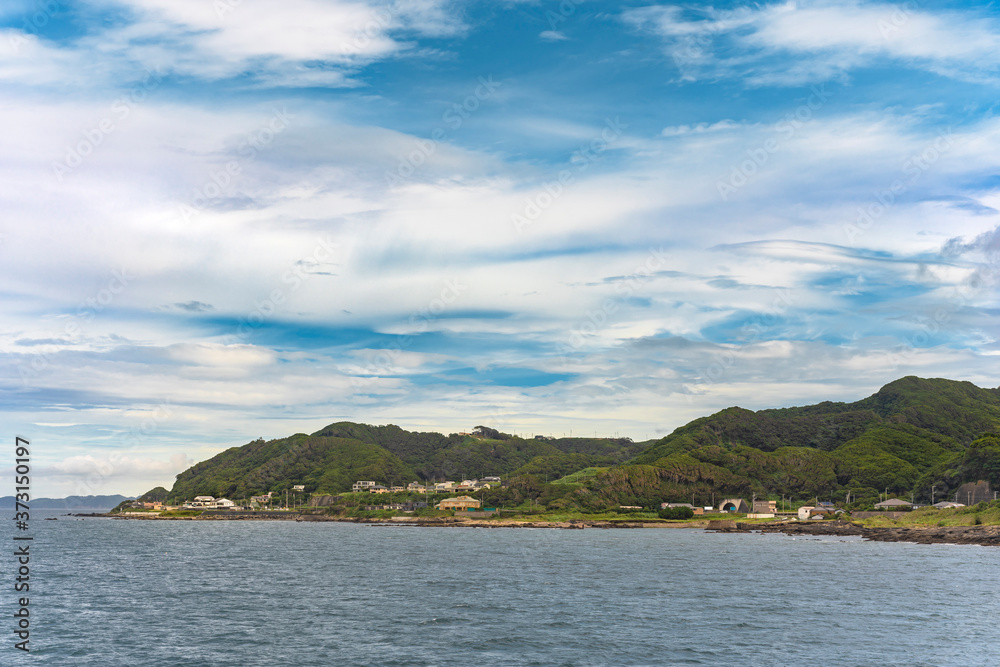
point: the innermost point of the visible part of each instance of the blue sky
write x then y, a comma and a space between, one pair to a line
226, 219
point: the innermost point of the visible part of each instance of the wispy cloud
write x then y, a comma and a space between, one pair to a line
827, 40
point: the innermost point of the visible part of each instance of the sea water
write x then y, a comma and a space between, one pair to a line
120, 592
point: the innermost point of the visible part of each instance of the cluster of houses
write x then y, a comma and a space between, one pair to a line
213, 503
199, 503
760, 509
465, 486
209, 503
466, 504
766, 509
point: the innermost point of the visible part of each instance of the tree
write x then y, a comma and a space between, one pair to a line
676, 513
156, 495
491, 433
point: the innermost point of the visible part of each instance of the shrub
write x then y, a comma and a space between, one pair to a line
676, 513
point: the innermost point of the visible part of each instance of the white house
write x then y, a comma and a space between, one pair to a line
945, 505
224, 504
203, 499
804, 511
362, 486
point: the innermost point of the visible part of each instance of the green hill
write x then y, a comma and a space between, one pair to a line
323, 465
333, 458
911, 434
903, 438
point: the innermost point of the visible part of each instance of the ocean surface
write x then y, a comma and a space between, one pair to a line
109, 592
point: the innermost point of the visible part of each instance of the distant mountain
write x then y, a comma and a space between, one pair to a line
70, 503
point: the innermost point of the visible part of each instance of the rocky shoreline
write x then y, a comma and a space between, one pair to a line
988, 536
436, 522
461, 522
980, 535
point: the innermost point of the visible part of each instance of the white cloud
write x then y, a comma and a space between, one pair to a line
824, 39
296, 43
552, 36
567, 294
700, 128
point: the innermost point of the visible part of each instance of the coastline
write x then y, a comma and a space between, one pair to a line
987, 535
424, 522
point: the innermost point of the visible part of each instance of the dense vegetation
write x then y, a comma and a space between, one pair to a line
911, 435
156, 495
333, 458
324, 465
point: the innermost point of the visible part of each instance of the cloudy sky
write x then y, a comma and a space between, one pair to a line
231, 219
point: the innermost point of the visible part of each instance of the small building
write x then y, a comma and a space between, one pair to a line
734, 506
893, 504
299, 488
416, 487
490, 480
224, 504
257, 501
765, 506
378, 488
362, 486
947, 505
696, 510
459, 504
204, 499
804, 511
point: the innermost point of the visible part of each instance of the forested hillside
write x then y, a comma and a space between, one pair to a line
336, 456
903, 438
912, 434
